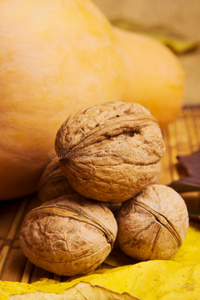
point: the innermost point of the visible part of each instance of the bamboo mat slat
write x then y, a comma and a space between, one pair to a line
182, 137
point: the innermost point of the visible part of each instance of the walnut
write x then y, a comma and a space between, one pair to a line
110, 152
53, 183
152, 225
69, 235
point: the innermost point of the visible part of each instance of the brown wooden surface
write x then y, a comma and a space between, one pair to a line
181, 138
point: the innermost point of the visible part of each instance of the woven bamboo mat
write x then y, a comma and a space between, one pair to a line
181, 138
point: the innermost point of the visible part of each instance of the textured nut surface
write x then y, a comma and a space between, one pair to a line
53, 183
110, 152
68, 236
152, 225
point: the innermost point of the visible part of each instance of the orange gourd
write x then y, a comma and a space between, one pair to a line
151, 74
55, 57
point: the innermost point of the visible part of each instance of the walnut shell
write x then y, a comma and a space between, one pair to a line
152, 225
53, 183
69, 235
110, 152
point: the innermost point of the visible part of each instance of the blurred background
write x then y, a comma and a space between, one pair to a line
176, 21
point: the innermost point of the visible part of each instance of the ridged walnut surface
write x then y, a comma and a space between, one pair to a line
152, 225
53, 183
110, 152
68, 236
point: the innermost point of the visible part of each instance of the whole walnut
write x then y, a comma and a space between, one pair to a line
69, 235
153, 224
110, 152
53, 183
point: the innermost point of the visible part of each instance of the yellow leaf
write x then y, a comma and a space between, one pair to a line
178, 278
80, 291
149, 280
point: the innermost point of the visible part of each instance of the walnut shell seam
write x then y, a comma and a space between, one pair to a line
112, 128
67, 211
162, 220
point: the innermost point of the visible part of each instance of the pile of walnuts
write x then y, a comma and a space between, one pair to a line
99, 191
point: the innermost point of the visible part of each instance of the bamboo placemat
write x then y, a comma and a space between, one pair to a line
182, 137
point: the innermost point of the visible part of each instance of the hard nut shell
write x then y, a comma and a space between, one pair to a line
110, 152
152, 225
53, 183
68, 236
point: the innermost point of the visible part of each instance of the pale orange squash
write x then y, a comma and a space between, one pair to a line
152, 75
55, 58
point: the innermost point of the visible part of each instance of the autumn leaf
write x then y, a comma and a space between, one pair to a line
165, 280
81, 291
177, 278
